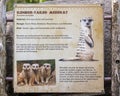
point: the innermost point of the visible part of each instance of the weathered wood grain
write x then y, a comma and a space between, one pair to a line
115, 48
2, 47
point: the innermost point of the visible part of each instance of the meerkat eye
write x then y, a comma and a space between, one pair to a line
90, 20
47, 65
84, 20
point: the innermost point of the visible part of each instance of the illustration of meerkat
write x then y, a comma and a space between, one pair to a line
85, 43
45, 71
35, 68
28, 74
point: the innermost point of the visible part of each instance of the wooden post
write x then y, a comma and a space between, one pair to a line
2, 47
116, 48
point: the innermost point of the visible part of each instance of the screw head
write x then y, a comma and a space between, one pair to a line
117, 61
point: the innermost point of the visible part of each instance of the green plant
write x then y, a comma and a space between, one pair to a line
10, 3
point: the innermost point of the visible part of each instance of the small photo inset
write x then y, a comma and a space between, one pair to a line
36, 73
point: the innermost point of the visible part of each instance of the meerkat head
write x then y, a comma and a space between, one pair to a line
47, 66
26, 66
35, 66
86, 22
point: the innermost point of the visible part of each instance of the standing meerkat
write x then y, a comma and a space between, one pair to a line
45, 72
28, 74
85, 43
35, 68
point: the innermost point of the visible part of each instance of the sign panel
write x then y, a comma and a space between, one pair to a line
58, 48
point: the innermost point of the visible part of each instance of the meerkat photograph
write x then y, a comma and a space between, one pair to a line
36, 73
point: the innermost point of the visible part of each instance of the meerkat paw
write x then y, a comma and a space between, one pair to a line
26, 84
46, 82
21, 83
30, 84
42, 81
38, 83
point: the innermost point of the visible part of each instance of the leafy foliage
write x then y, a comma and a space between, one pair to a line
10, 3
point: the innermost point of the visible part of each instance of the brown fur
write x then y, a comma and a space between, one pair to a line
20, 79
35, 68
28, 74
45, 72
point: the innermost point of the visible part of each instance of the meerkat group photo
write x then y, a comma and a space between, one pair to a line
36, 73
